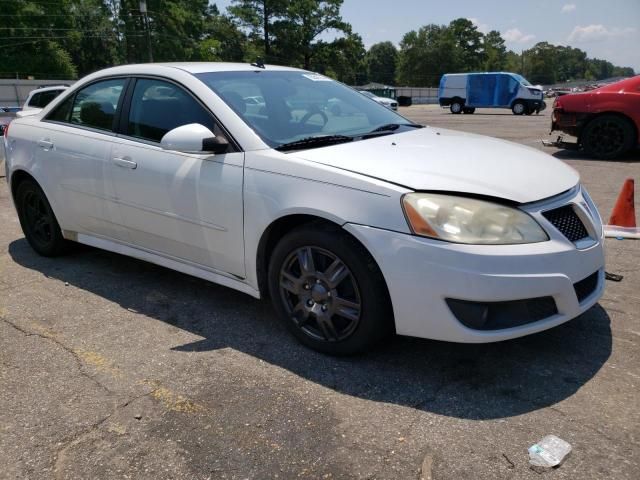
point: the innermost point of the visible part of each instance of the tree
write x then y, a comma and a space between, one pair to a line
303, 22
177, 26
92, 41
494, 52
33, 44
425, 56
540, 63
381, 60
222, 39
258, 17
598, 69
342, 59
571, 63
468, 45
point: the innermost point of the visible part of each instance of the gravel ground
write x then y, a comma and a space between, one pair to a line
114, 368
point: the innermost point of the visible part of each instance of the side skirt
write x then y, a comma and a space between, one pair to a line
163, 261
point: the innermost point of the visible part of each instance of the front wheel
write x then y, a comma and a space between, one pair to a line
37, 220
455, 107
519, 108
607, 137
328, 291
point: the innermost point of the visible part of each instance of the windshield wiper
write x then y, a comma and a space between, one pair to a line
311, 142
389, 127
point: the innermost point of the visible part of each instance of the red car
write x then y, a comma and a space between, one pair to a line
605, 120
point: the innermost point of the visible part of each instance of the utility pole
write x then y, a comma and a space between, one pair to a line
147, 27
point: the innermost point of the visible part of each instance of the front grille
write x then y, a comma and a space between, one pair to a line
586, 287
567, 221
499, 315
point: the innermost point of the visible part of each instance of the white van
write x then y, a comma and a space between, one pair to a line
464, 92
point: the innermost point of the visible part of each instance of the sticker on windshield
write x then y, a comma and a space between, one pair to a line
316, 77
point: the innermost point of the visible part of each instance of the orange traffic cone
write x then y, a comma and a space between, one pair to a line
624, 213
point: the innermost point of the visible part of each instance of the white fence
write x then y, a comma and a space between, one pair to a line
13, 93
419, 95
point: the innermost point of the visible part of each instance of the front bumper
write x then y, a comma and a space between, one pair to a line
570, 123
421, 274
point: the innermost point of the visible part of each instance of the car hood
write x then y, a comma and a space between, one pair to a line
446, 160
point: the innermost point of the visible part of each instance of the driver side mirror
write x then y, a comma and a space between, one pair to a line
193, 138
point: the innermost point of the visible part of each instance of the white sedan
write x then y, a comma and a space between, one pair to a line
387, 102
357, 226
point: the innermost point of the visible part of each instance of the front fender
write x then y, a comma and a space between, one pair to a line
276, 186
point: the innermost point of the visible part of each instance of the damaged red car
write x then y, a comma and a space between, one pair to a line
606, 120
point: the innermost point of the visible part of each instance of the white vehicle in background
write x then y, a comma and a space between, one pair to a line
255, 104
41, 97
356, 226
387, 102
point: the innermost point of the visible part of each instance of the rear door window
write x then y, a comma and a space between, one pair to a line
93, 106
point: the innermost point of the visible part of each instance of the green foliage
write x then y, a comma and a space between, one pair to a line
343, 59
426, 55
541, 63
548, 64
381, 60
297, 32
494, 52
257, 18
66, 38
468, 52
33, 46
433, 50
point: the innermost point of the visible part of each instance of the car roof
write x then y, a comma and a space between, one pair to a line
49, 88
206, 67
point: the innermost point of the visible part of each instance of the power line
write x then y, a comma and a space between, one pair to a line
50, 29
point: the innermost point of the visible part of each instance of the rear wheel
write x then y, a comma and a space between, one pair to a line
328, 291
456, 106
607, 137
37, 220
519, 108
469, 110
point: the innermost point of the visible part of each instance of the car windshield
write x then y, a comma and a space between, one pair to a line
522, 80
367, 94
298, 105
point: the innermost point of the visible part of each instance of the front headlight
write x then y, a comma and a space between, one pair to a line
467, 220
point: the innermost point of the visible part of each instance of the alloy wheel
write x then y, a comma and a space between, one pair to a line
320, 294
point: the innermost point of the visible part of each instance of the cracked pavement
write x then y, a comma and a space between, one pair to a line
114, 368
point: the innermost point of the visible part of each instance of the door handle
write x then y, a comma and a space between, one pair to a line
125, 162
45, 144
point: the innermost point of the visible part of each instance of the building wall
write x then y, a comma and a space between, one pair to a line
13, 93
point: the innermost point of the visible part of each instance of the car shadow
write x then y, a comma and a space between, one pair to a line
482, 381
573, 154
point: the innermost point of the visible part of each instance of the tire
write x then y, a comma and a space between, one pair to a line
337, 303
519, 108
38, 222
607, 137
469, 110
456, 107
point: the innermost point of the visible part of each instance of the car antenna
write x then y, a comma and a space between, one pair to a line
258, 63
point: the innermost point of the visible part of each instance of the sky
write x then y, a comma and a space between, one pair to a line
606, 29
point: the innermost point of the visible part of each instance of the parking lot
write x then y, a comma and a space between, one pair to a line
114, 368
